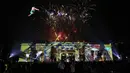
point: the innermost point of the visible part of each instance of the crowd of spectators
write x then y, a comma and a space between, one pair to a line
80, 67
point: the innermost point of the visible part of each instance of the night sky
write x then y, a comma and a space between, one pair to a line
109, 22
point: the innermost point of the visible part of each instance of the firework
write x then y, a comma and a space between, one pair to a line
33, 11
63, 18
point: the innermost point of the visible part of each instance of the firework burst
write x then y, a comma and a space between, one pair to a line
63, 18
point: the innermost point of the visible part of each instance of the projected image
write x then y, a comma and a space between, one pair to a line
108, 52
94, 52
67, 51
24, 57
47, 54
31, 52
91, 52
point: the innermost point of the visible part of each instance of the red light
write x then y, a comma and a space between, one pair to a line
75, 30
61, 38
60, 34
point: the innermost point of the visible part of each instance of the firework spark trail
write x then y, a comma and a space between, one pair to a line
33, 11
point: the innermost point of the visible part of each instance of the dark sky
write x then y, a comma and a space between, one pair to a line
109, 22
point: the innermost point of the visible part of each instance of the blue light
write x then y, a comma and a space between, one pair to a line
107, 48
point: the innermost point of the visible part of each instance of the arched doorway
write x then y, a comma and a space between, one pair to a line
63, 56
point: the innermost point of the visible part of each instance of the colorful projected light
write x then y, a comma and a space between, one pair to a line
108, 48
43, 51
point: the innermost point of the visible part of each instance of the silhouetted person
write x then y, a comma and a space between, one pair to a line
61, 66
72, 66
